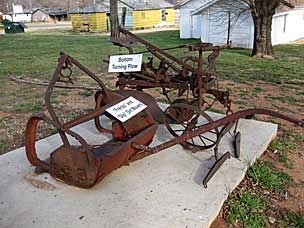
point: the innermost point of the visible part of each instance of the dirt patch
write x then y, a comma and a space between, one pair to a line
3, 115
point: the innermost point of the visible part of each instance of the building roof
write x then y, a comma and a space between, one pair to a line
27, 11
98, 8
147, 4
17, 8
288, 2
204, 6
52, 11
175, 2
185, 2
209, 3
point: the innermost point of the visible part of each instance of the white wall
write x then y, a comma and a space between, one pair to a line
22, 17
185, 23
196, 21
19, 16
214, 27
242, 33
287, 27
17, 8
212, 30
190, 25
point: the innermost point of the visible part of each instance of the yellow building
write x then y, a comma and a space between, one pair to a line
91, 19
147, 13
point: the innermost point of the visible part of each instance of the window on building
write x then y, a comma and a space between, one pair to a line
143, 15
164, 15
85, 17
285, 23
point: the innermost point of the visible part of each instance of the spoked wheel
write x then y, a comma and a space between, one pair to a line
179, 121
207, 102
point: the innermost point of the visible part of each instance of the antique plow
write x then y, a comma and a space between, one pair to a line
191, 87
84, 165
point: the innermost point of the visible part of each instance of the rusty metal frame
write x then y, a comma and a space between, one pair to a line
82, 166
86, 165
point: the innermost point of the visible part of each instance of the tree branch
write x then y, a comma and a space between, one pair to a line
287, 4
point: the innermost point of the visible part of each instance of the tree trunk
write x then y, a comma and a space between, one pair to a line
262, 18
114, 19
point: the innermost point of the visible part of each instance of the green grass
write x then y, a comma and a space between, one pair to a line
283, 146
283, 69
35, 55
249, 205
86, 93
216, 110
28, 107
267, 177
248, 209
64, 93
293, 219
284, 99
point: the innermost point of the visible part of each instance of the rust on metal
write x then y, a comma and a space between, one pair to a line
237, 145
85, 165
191, 87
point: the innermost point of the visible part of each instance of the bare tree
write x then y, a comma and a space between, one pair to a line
261, 11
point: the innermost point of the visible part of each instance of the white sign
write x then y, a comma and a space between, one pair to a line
125, 63
126, 109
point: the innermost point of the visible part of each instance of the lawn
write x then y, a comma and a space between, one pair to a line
270, 83
35, 55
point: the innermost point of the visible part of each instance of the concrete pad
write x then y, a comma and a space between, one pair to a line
163, 190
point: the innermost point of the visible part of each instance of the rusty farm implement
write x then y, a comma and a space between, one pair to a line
191, 87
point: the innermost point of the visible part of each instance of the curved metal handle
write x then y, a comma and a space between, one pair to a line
99, 99
218, 123
30, 141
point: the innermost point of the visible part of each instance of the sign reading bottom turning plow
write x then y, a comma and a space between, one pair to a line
126, 109
125, 63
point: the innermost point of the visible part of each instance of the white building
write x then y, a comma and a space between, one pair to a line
212, 21
21, 15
